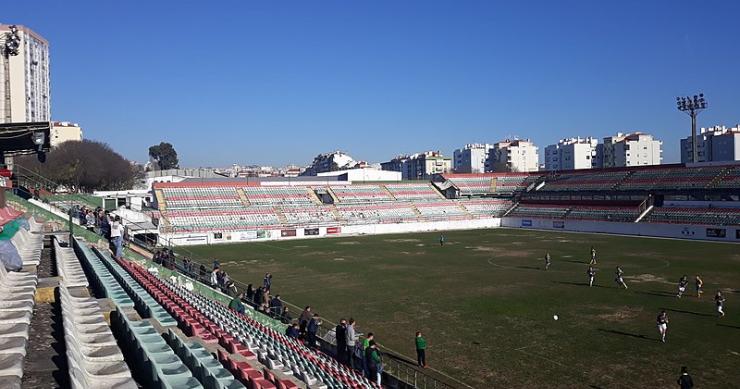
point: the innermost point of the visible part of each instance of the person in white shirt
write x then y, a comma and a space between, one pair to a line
116, 236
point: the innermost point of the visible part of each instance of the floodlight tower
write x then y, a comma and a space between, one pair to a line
692, 107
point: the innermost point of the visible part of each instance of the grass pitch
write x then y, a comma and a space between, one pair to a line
486, 305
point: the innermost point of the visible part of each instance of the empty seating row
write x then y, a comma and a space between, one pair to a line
368, 214
360, 193
413, 191
441, 210
605, 213
486, 207
249, 374
315, 214
692, 215
144, 303
202, 364
278, 195
224, 221
29, 245
540, 211
202, 198
93, 355
68, 266
17, 290
592, 181
729, 180
159, 366
100, 277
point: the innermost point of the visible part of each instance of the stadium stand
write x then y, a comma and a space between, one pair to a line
201, 198
353, 194
695, 215
278, 195
546, 211
413, 191
441, 210
190, 221
377, 213
488, 183
486, 207
308, 215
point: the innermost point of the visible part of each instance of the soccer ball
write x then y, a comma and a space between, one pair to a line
555, 317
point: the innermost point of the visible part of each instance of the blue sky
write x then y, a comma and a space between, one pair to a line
279, 82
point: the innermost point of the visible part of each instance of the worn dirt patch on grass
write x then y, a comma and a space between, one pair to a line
621, 314
401, 240
348, 243
339, 259
647, 277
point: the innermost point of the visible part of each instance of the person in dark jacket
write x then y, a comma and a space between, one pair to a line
250, 294
685, 381
292, 331
304, 319
341, 336
312, 329
285, 316
258, 297
276, 306
202, 271
374, 363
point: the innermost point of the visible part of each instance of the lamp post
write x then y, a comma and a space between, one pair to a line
692, 107
11, 41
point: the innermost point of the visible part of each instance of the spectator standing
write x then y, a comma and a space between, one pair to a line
267, 282
340, 333
365, 346
374, 363
685, 381
250, 294
214, 277
116, 235
421, 348
304, 319
202, 271
258, 296
276, 306
351, 342
312, 329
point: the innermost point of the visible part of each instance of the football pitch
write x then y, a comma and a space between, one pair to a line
486, 304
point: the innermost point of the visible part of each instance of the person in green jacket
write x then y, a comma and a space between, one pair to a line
421, 347
236, 303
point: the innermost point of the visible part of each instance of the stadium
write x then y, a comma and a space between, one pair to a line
459, 257
594, 260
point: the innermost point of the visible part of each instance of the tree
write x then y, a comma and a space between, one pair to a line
83, 167
164, 155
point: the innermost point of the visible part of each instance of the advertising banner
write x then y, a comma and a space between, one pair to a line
558, 224
248, 235
262, 234
286, 233
526, 223
716, 232
333, 230
310, 231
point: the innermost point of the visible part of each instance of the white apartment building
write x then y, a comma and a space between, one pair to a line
513, 156
420, 165
572, 154
714, 144
471, 158
24, 76
65, 131
635, 149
